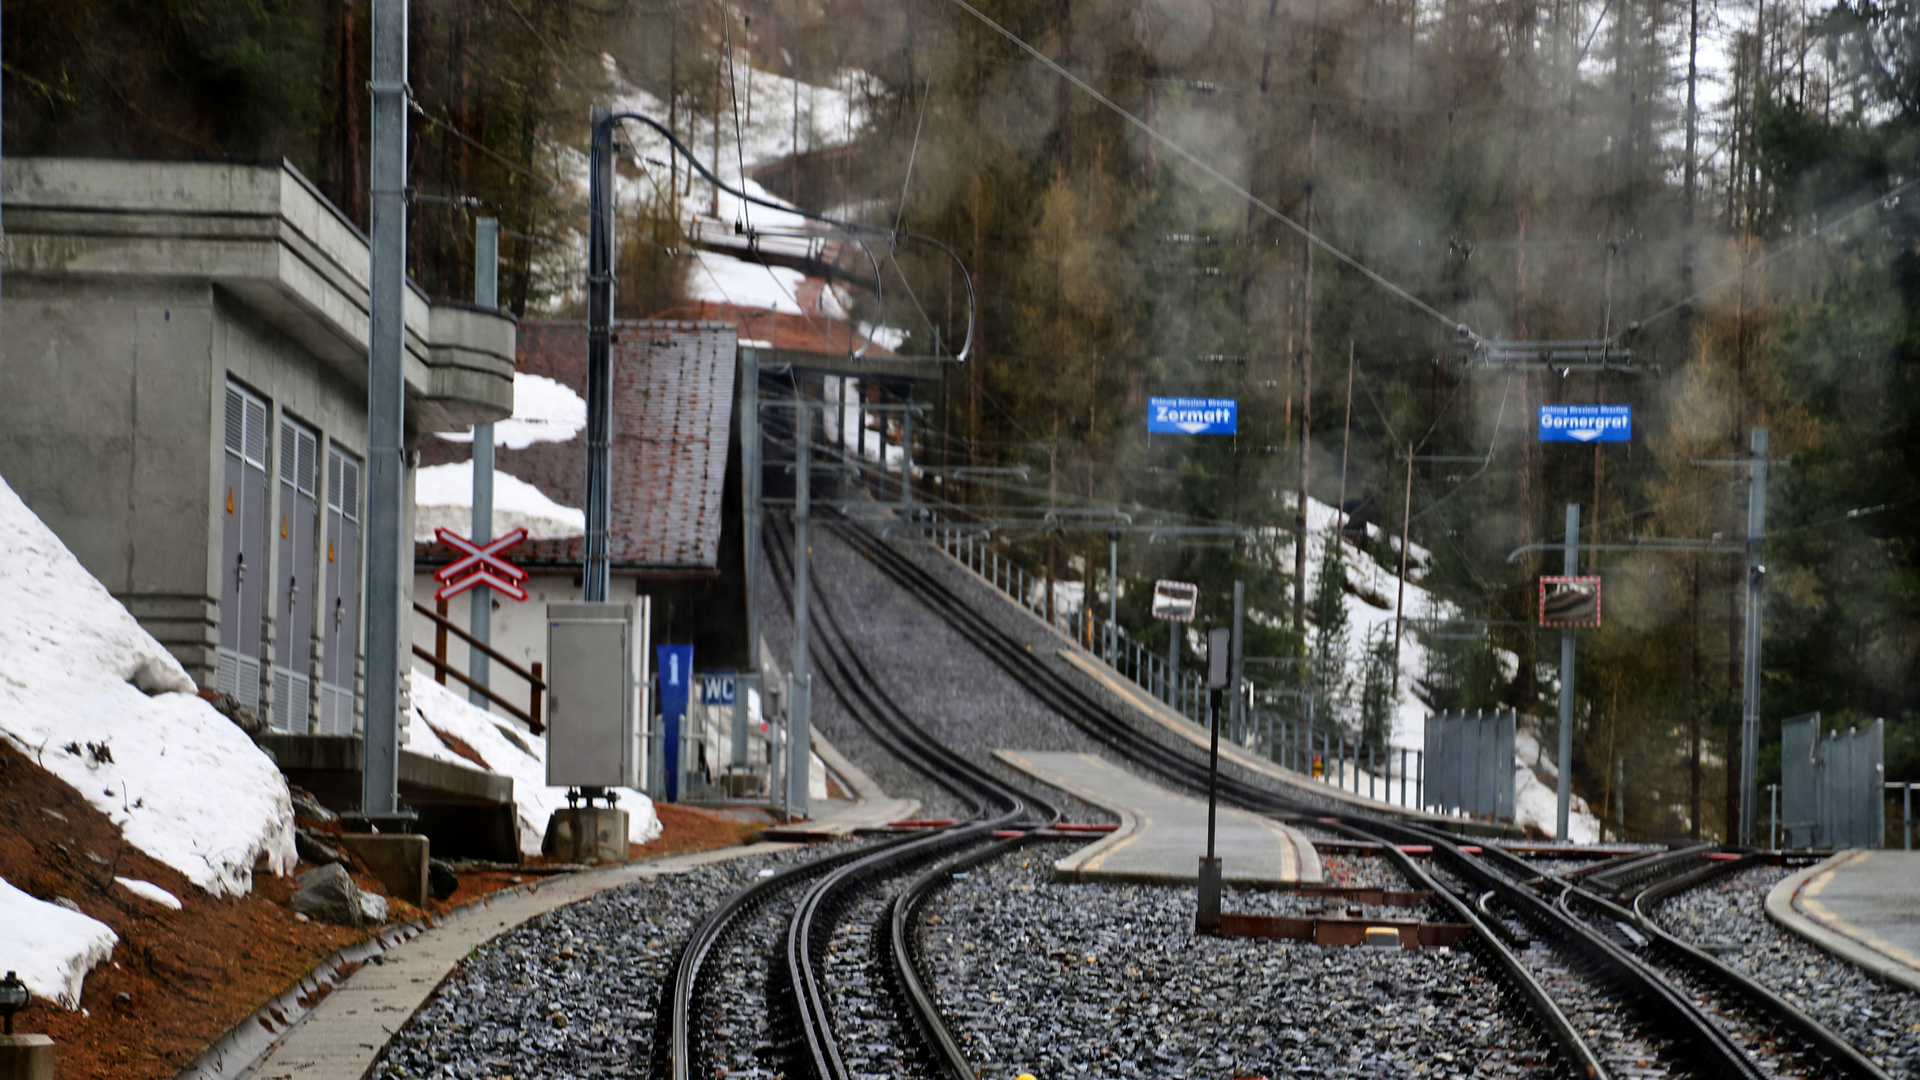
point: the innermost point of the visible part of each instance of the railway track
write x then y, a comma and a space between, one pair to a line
1674, 1010
843, 923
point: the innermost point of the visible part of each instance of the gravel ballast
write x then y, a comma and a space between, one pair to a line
1110, 981
1882, 1021
574, 992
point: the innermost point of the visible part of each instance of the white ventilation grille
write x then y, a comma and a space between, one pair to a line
291, 701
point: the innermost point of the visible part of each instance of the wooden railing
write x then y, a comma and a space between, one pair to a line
442, 670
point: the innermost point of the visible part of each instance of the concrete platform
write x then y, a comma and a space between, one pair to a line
1863, 906
1162, 834
837, 818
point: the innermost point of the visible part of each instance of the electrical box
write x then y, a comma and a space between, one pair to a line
597, 693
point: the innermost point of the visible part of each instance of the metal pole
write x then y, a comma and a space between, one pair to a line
800, 700
486, 293
906, 457
1113, 595
1750, 681
1238, 676
1562, 807
386, 413
1173, 663
1906, 815
753, 509
599, 355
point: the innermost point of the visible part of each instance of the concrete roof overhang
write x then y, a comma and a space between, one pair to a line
264, 235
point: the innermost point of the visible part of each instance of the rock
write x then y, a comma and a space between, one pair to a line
306, 806
316, 847
442, 881
328, 894
68, 903
373, 907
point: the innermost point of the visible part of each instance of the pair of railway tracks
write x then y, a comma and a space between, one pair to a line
813, 902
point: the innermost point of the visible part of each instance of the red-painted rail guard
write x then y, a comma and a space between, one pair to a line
1413, 935
1473, 849
1724, 856
1006, 834
1078, 826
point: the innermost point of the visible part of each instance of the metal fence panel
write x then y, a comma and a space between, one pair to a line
1468, 764
1800, 780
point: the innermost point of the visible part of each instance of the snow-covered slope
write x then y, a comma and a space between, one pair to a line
50, 947
96, 701
507, 751
1373, 592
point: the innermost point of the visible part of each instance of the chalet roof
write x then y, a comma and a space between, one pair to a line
672, 413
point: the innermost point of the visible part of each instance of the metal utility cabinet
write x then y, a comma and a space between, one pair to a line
597, 696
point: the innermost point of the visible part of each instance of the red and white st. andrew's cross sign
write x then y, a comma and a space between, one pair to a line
481, 565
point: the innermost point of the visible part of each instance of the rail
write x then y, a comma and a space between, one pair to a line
443, 670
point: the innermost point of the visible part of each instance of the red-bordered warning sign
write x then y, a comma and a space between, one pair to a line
481, 565
1570, 601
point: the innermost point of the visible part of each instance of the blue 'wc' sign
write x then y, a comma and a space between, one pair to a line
1586, 423
676, 679
1193, 416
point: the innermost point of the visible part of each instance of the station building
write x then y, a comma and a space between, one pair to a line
183, 400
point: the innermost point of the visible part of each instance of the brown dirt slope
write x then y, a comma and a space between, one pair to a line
178, 979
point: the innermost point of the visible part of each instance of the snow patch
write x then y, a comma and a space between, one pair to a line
544, 410
443, 499
180, 781
147, 890
49, 947
509, 752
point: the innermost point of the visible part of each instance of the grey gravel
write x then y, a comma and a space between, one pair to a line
574, 992
1882, 1021
939, 677
1110, 981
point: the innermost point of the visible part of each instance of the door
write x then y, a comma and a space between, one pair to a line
340, 611
293, 606
243, 547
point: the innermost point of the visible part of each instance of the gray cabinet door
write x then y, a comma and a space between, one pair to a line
294, 599
340, 611
243, 563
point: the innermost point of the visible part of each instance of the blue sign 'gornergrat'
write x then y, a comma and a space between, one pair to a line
1586, 423
1193, 416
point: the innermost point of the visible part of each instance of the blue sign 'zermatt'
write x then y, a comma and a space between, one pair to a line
1586, 423
1193, 416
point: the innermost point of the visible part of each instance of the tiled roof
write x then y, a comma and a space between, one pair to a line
818, 333
672, 411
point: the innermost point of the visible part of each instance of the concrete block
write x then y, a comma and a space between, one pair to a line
586, 834
399, 860
26, 1057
